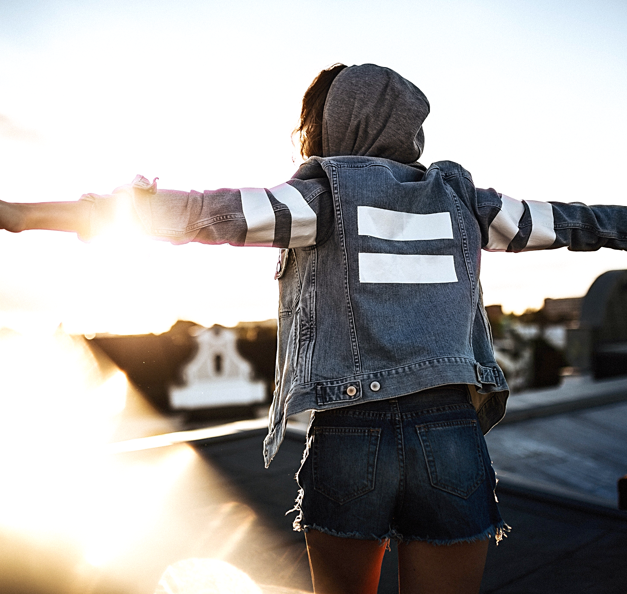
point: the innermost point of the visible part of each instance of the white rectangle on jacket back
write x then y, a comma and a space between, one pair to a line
403, 226
303, 231
259, 216
504, 227
406, 268
542, 230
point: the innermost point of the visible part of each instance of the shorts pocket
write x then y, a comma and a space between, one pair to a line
452, 451
344, 461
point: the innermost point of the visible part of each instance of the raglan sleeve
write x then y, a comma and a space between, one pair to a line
293, 214
510, 225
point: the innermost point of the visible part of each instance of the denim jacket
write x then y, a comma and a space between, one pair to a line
379, 272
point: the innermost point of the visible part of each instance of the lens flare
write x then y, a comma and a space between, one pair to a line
95, 514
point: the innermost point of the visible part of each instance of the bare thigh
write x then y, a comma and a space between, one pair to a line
441, 569
352, 566
344, 565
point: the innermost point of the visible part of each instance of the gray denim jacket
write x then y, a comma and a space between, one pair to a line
388, 301
379, 272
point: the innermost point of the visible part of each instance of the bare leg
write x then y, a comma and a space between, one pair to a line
441, 569
344, 565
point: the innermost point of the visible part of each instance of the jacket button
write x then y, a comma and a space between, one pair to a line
375, 386
351, 390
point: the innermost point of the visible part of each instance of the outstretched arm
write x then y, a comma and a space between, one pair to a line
294, 214
514, 225
55, 216
297, 213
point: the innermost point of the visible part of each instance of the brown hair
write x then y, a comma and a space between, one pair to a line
309, 129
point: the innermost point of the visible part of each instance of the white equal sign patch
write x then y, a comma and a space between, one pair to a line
403, 226
406, 268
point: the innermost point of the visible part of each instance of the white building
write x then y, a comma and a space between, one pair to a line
218, 375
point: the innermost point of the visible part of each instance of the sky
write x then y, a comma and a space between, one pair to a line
527, 95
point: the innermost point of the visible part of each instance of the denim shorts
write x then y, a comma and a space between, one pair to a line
409, 468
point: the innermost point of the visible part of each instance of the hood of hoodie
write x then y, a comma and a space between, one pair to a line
374, 112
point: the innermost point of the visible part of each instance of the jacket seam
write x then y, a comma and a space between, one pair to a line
474, 283
394, 370
361, 165
349, 306
595, 230
312, 318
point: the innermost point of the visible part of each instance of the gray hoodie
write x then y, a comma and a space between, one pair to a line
372, 111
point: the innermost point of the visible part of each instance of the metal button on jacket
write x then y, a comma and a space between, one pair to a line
375, 386
351, 390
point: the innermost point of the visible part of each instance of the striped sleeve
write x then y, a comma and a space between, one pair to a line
510, 225
287, 215
517, 226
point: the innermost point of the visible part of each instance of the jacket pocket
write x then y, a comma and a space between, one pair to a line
452, 452
344, 461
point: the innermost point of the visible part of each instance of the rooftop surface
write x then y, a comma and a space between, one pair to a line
570, 441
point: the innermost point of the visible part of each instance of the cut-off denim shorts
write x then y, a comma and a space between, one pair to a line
409, 468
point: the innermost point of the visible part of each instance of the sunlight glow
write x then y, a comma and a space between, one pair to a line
60, 378
206, 576
141, 286
124, 225
128, 498
110, 396
107, 507
59, 406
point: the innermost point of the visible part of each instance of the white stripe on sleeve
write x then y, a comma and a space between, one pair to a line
504, 227
259, 216
543, 230
304, 222
406, 268
403, 226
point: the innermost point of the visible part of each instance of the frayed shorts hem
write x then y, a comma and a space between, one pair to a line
498, 531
